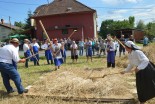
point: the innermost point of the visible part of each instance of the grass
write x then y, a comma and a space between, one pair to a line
33, 73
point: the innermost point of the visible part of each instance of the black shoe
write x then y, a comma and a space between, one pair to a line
11, 91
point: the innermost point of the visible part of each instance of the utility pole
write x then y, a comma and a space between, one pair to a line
10, 23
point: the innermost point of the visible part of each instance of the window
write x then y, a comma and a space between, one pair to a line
64, 31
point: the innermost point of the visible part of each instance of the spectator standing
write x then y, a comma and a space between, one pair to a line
81, 47
145, 41
88, 45
74, 51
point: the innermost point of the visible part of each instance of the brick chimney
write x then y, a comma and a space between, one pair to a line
2, 21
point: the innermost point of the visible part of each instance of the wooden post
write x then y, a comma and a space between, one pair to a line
120, 43
44, 31
72, 33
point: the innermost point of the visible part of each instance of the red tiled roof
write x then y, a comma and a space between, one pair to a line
61, 7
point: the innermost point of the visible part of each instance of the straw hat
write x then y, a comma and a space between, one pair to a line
14, 40
26, 40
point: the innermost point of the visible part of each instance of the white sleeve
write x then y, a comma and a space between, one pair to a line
143, 60
38, 45
129, 67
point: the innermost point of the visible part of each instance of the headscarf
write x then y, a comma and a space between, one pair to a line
132, 45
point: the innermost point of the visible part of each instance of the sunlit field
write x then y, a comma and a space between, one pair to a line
74, 80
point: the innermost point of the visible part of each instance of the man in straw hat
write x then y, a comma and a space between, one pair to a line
27, 52
8, 54
145, 72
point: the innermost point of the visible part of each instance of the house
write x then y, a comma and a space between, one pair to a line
137, 34
62, 17
6, 29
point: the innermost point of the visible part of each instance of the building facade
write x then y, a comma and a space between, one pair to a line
137, 34
6, 29
62, 17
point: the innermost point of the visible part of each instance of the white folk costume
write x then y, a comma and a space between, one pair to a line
48, 53
145, 77
35, 47
27, 51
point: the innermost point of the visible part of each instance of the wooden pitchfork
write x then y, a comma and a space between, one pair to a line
104, 75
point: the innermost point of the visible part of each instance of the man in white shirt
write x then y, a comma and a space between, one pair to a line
8, 54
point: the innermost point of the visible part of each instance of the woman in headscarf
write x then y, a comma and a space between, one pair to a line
74, 51
56, 48
145, 72
48, 52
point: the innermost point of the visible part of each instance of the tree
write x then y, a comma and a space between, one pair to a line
131, 21
28, 21
140, 25
19, 24
106, 28
150, 30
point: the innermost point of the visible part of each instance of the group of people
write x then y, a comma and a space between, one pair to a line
54, 51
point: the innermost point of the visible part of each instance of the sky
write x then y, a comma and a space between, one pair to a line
143, 10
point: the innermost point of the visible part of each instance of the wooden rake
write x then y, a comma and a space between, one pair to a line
93, 78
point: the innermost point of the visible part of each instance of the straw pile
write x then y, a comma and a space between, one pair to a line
71, 84
149, 52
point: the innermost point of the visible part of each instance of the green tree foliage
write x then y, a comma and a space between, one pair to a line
19, 24
106, 28
28, 21
132, 21
150, 30
109, 26
140, 25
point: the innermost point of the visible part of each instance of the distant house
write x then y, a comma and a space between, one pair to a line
61, 17
6, 29
137, 34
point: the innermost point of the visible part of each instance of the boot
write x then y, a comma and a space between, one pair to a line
108, 64
113, 65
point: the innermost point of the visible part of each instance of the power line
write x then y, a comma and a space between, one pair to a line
17, 3
91, 7
119, 8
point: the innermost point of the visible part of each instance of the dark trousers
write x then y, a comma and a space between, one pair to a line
48, 61
26, 63
9, 72
36, 59
109, 64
